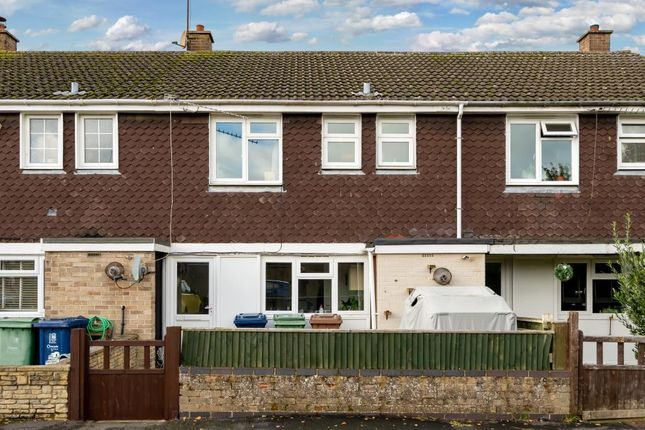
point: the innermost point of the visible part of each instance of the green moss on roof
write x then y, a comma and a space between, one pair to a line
521, 77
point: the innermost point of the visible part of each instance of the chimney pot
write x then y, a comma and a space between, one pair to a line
199, 27
595, 40
594, 28
199, 39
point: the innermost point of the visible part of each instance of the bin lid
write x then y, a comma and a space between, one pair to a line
16, 322
244, 316
289, 317
326, 319
74, 322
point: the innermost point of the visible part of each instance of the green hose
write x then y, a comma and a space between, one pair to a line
99, 326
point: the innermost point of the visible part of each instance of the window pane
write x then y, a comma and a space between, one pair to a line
228, 150
264, 127
606, 268
314, 267
340, 152
395, 128
36, 156
91, 155
633, 128
37, 141
603, 297
51, 126
633, 152
51, 141
91, 125
263, 159
105, 156
105, 126
494, 277
558, 128
351, 296
51, 156
105, 141
37, 125
91, 141
17, 265
278, 287
19, 294
314, 295
395, 152
192, 288
556, 160
523, 151
341, 127
574, 291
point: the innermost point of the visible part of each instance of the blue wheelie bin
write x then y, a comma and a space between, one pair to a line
250, 320
54, 337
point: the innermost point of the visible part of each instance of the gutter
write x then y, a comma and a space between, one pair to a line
459, 138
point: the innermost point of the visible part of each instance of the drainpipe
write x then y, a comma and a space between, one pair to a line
371, 284
459, 116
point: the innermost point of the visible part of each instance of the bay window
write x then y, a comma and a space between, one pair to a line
246, 151
631, 142
542, 151
41, 142
341, 142
396, 142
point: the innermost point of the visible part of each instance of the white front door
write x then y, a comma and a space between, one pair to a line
190, 292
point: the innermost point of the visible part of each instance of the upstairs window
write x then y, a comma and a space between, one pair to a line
246, 151
41, 142
542, 152
396, 142
631, 143
341, 142
97, 142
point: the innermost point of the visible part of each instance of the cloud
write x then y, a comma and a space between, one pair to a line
459, 11
381, 23
127, 34
535, 28
126, 28
291, 7
640, 39
403, 3
264, 31
313, 41
247, 5
43, 32
85, 23
634, 49
8, 7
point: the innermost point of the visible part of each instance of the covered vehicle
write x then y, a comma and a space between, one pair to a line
457, 308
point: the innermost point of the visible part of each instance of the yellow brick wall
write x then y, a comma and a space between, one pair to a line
397, 272
33, 392
76, 284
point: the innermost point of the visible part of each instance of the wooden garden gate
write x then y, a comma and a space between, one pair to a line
124, 381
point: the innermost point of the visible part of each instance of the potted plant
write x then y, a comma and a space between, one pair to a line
560, 172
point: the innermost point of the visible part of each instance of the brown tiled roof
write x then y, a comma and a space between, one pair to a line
515, 77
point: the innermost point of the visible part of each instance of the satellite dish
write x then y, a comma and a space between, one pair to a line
442, 276
138, 270
114, 271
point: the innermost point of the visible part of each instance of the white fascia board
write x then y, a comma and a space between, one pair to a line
432, 249
558, 249
21, 248
269, 248
103, 247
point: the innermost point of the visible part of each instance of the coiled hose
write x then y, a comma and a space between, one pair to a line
99, 326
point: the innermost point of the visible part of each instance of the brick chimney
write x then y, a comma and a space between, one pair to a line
8, 41
198, 39
595, 40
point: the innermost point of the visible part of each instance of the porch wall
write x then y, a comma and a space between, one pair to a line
397, 272
76, 284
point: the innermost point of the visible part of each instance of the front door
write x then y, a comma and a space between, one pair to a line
191, 292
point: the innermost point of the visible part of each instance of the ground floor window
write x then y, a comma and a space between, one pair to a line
20, 286
590, 289
314, 285
494, 276
193, 292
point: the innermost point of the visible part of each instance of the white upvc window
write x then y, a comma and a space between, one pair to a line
246, 151
631, 142
341, 142
21, 286
315, 285
41, 141
97, 142
396, 141
542, 151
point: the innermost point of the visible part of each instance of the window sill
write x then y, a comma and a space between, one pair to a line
541, 189
635, 172
332, 172
246, 189
43, 172
383, 171
97, 172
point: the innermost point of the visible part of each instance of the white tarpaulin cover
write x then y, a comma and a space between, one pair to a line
457, 308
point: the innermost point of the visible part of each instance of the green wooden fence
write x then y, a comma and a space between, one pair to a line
367, 349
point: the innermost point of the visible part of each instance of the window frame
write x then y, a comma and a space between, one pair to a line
411, 137
246, 135
332, 275
25, 141
355, 137
589, 287
539, 138
629, 137
80, 142
37, 272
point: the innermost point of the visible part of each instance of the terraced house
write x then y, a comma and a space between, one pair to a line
314, 181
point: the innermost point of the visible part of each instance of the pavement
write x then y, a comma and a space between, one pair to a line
320, 423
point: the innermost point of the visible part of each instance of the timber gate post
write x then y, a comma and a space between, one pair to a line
172, 359
575, 362
79, 351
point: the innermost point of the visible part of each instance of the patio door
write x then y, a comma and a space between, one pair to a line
190, 293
